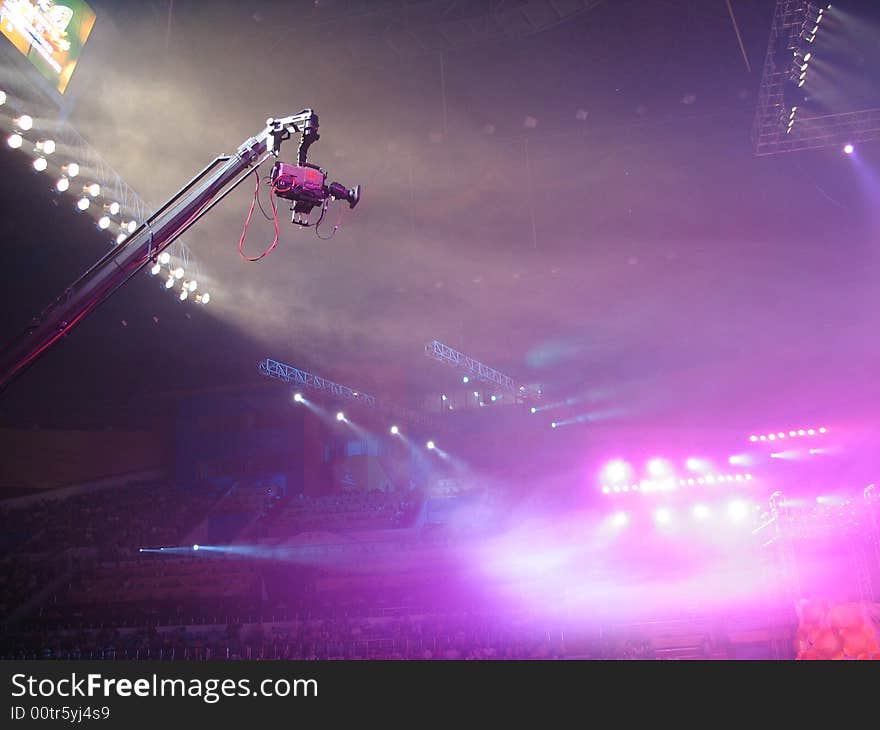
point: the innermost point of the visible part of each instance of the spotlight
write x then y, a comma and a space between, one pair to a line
132, 226
663, 515
72, 169
184, 293
94, 190
801, 432
298, 397
737, 510
2, 98
62, 184
533, 409
395, 430
606, 490
193, 285
47, 147
120, 238
206, 297
40, 164
113, 208
178, 272
476, 394
701, 511
658, 467
104, 222
823, 430
620, 519
465, 379
848, 149
83, 203
340, 416
164, 257
156, 268
169, 282
431, 446
617, 471
24, 122
554, 424
753, 438
493, 399
14, 141
195, 547
811, 432
443, 397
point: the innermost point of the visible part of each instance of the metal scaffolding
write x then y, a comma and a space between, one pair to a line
770, 132
289, 374
444, 353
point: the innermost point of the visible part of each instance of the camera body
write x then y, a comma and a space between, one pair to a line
306, 185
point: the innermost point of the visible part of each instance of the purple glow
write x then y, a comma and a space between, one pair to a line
663, 516
658, 467
616, 471
620, 519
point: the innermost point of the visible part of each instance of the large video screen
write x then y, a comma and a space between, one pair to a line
51, 34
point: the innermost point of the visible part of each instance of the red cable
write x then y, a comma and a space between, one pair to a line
248, 222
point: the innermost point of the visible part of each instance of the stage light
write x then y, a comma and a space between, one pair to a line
340, 416
155, 269
62, 184
72, 170
848, 149
616, 471
14, 141
465, 379
443, 397
24, 122
298, 397
662, 516
104, 222
692, 464
606, 490
658, 467
94, 189
701, 511
164, 257
771, 436
114, 208
554, 424
193, 285
753, 438
132, 226
823, 430
763, 437
476, 394
178, 272
169, 282
748, 477
120, 238
47, 147
195, 547
533, 409
431, 446
691, 482
815, 451
40, 164
620, 519
737, 510
493, 399
183, 294
206, 297
801, 432
2, 98
83, 203
395, 430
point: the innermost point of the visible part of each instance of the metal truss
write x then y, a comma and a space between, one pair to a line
289, 374
444, 353
71, 146
770, 133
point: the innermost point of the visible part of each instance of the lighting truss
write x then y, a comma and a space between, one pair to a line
72, 147
444, 353
289, 374
769, 132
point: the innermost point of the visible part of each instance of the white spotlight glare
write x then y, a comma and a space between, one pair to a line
24, 122
132, 226
184, 293
430, 445
298, 397
554, 424
72, 170
394, 430
164, 257
663, 515
104, 222
40, 164
340, 416
2, 98
193, 285
620, 519
83, 203
47, 147
14, 141
94, 190
120, 238
155, 269
169, 282
206, 297
62, 184
114, 208
701, 511
848, 149
737, 510
178, 272
533, 409
465, 379
195, 547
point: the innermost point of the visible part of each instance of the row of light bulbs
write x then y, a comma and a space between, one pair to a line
91, 191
